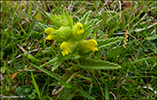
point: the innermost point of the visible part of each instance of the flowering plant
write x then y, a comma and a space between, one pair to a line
75, 45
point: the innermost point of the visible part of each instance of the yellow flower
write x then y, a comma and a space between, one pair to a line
91, 44
77, 31
65, 47
79, 28
86, 46
49, 32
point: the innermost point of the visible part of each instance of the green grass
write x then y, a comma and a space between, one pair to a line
21, 33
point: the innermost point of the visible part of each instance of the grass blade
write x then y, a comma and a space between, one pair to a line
36, 86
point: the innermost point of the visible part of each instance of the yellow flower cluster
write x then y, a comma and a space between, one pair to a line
71, 38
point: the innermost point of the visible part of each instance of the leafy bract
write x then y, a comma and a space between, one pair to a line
89, 28
61, 20
85, 18
108, 42
87, 25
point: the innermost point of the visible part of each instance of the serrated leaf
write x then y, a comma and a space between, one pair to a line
61, 20
114, 52
108, 42
98, 64
85, 18
89, 28
42, 25
69, 18
56, 20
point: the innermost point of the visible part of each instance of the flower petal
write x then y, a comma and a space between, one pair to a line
65, 47
91, 44
79, 28
49, 37
49, 30
94, 49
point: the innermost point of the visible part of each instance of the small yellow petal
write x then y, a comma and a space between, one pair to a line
79, 28
63, 53
91, 44
49, 30
49, 37
65, 47
66, 51
94, 49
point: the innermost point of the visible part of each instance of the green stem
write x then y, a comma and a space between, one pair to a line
67, 77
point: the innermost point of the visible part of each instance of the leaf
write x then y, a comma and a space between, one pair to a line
61, 20
109, 19
136, 61
32, 58
67, 78
106, 91
89, 28
52, 75
108, 42
38, 16
47, 72
98, 64
67, 94
42, 26
54, 19
69, 18
151, 37
85, 18
85, 94
84, 77
57, 62
22, 29
114, 52
36, 86
49, 62
34, 24
27, 54
87, 25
